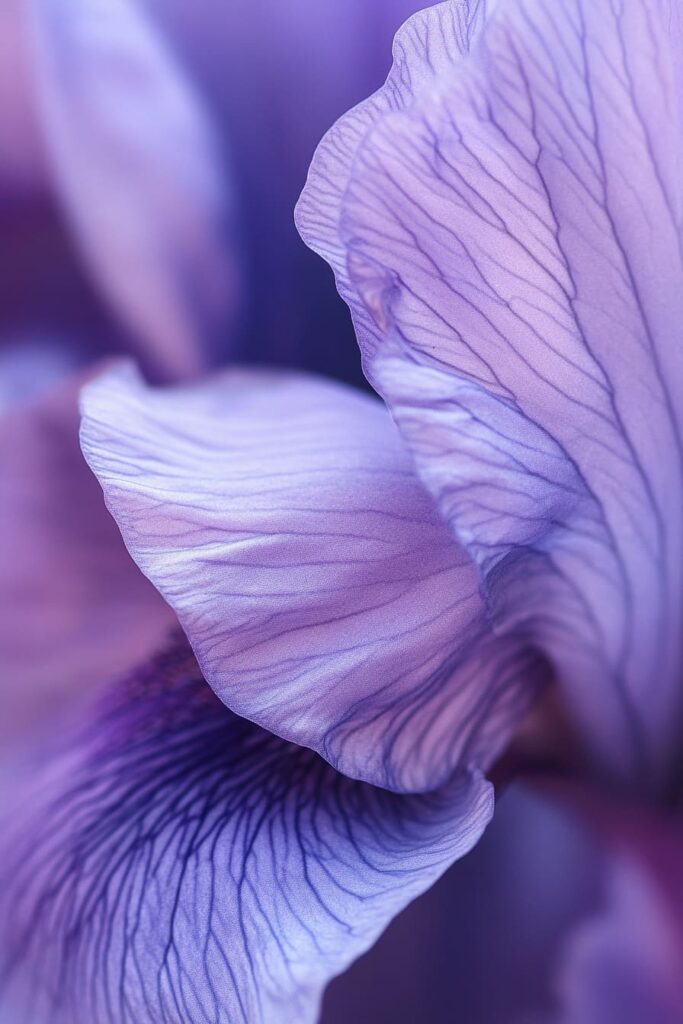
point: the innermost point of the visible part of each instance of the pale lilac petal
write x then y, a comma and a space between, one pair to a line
281, 518
73, 606
429, 43
178, 863
513, 236
135, 162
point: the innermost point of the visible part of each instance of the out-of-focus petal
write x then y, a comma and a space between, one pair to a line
482, 946
30, 364
512, 237
281, 518
22, 159
44, 288
135, 162
73, 607
625, 964
279, 74
178, 863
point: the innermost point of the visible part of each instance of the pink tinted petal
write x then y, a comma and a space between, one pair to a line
281, 518
22, 159
512, 234
136, 165
74, 608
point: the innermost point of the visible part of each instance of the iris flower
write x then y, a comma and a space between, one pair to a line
385, 605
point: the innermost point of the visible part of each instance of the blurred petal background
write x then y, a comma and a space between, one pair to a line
151, 164
277, 76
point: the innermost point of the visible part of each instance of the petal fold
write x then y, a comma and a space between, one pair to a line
510, 232
281, 518
178, 863
430, 42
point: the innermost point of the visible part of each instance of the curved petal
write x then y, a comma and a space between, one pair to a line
525, 292
482, 945
137, 168
430, 42
177, 863
73, 607
282, 520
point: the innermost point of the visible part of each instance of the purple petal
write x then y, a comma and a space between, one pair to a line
625, 963
430, 42
136, 165
22, 163
73, 607
481, 947
279, 74
177, 863
511, 235
282, 520
30, 364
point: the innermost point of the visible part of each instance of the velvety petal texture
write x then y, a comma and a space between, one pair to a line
508, 236
176, 863
281, 518
136, 165
73, 607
